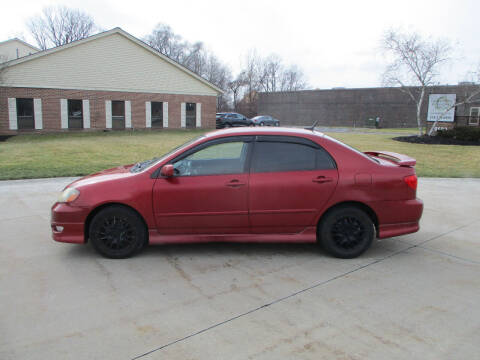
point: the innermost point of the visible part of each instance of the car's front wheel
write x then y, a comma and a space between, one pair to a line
346, 232
117, 232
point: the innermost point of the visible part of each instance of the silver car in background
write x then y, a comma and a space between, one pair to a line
265, 120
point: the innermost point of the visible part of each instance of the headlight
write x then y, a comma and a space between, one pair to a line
68, 195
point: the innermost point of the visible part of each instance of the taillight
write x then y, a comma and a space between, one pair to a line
411, 181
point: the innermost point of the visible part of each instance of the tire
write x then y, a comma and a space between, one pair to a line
117, 232
346, 232
227, 125
262, 124
277, 124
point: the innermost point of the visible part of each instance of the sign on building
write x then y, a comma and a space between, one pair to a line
441, 107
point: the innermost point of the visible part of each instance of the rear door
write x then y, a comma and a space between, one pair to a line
291, 179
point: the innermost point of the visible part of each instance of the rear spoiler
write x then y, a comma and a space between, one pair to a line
399, 159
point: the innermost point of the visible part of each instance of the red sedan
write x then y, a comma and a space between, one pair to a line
245, 185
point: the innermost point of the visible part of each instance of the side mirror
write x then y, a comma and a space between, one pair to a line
167, 170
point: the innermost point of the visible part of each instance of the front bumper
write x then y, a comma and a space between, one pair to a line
68, 223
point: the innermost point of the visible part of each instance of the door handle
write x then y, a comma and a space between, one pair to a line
235, 183
322, 179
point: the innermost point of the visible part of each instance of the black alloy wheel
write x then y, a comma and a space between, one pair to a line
117, 232
346, 232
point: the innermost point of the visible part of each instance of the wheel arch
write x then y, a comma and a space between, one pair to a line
99, 208
357, 204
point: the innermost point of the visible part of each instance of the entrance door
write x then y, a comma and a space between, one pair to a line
208, 193
191, 115
289, 184
118, 114
25, 114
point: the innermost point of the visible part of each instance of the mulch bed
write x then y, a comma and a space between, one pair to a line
435, 140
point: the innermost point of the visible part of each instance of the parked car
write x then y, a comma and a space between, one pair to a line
232, 119
245, 185
265, 120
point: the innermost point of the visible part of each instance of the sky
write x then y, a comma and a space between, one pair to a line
335, 43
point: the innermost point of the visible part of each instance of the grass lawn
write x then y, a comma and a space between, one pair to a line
73, 154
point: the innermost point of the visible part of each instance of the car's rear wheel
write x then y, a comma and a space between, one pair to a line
262, 124
117, 232
346, 232
277, 124
228, 125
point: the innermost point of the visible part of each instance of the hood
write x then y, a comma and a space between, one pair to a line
115, 173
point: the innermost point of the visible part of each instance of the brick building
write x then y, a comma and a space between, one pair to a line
110, 80
353, 107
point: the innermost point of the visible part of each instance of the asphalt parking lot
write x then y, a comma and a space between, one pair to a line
411, 297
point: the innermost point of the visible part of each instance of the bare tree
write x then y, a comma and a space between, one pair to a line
292, 80
60, 25
235, 87
194, 56
271, 69
415, 64
164, 40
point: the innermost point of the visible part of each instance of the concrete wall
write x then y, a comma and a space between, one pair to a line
351, 107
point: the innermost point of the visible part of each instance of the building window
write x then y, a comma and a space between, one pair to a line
474, 116
157, 114
25, 114
118, 114
190, 115
75, 114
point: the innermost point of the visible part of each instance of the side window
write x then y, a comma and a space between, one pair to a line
217, 159
284, 156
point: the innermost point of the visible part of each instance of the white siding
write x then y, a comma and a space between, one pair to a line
12, 114
128, 114
37, 110
183, 115
113, 62
165, 114
108, 114
64, 113
198, 116
14, 49
86, 114
148, 114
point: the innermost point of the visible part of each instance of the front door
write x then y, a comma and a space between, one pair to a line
289, 184
208, 193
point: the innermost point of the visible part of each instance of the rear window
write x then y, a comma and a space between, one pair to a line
284, 156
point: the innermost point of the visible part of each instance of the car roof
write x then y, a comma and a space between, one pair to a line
264, 131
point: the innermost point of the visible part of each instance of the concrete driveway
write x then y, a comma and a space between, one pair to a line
411, 297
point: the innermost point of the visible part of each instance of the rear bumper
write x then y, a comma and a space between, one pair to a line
398, 217
68, 223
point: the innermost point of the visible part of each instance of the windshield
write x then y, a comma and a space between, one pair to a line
142, 165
